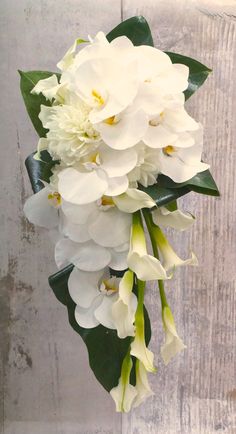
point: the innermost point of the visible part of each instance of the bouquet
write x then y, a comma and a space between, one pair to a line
117, 148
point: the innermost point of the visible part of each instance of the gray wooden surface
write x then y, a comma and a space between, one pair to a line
46, 385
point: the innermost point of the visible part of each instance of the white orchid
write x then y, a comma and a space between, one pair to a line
176, 219
173, 344
182, 163
145, 266
124, 393
41, 208
102, 173
107, 300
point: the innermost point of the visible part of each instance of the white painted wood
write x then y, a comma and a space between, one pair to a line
196, 393
45, 379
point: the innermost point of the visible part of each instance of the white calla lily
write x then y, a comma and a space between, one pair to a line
176, 219
170, 260
142, 386
145, 266
123, 310
124, 393
138, 346
133, 200
173, 344
69, 57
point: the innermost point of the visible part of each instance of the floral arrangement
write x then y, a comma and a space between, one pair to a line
116, 150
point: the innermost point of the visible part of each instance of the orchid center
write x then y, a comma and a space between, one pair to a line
157, 121
107, 201
54, 199
109, 285
98, 97
110, 121
168, 150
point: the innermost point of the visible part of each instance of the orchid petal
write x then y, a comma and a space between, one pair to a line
39, 210
83, 286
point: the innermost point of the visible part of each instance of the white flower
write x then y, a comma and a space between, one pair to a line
124, 130
71, 135
175, 219
133, 200
94, 294
145, 266
173, 344
49, 87
142, 386
124, 393
103, 300
123, 310
103, 173
170, 260
41, 208
147, 167
69, 57
106, 85
180, 163
141, 352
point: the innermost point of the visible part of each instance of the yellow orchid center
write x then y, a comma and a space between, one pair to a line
155, 122
107, 200
98, 98
110, 121
55, 198
168, 150
109, 285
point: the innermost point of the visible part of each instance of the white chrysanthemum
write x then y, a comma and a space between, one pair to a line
71, 135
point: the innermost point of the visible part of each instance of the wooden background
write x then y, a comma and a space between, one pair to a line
46, 384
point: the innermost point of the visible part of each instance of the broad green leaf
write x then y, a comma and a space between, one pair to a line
198, 72
33, 102
202, 183
39, 170
135, 28
106, 351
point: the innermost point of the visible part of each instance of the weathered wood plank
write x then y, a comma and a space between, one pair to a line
47, 385
196, 393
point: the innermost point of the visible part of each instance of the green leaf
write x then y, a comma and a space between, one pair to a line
202, 183
135, 28
106, 351
39, 170
198, 72
33, 102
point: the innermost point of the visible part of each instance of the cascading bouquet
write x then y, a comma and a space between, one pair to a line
116, 149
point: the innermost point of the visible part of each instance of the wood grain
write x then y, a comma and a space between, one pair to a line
46, 384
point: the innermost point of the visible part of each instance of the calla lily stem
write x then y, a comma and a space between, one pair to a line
150, 225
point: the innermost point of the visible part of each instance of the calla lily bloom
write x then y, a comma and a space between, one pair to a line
173, 344
145, 266
138, 346
170, 259
176, 219
124, 393
142, 386
123, 310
